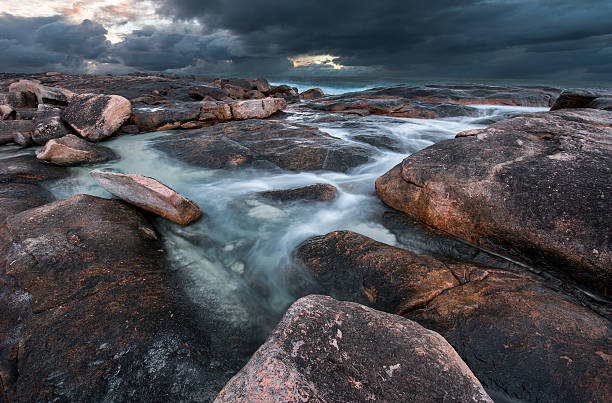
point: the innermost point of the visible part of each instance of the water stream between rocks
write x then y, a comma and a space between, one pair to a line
231, 263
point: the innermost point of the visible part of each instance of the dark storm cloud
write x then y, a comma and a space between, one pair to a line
445, 38
546, 39
48, 43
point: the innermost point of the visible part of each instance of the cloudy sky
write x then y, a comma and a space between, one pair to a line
470, 39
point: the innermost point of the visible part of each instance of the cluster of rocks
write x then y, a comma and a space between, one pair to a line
431, 101
92, 314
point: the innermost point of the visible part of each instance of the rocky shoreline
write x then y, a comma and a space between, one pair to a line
93, 310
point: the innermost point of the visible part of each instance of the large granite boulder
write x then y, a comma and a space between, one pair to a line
571, 99
48, 125
71, 150
150, 195
312, 94
44, 94
89, 314
96, 117
535, 187
166, 117
523, 340
288, 146
331, 351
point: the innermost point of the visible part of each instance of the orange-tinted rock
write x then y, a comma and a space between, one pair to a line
331, 351
532, 187
235, 91
43, 93
96, 117
150, 195
92, 315
312, 94
71, 150
257, 109
523, 340
571, 99
7, 113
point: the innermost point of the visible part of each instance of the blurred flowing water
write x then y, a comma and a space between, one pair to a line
231, 263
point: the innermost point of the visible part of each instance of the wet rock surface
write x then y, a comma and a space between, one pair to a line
100, 319
288, 146
48, 125
150, 195
522, 340
71, 150
533, 187
27, 169
326, 350
10, 128
96, 117
316, 192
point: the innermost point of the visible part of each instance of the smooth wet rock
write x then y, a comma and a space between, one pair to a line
150, 195
601, 103
241, 143
312, 94
96, 117
316, 192
48, 125
44, 94
27, 169
8, 129
18, 197
92, 315
7, 112
533, 187
571, 99
200, 92
523, 340
257, 109
331, 351
71, 150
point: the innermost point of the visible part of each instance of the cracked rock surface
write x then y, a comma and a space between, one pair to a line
521, 339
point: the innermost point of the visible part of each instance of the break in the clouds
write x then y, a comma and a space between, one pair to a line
516, 39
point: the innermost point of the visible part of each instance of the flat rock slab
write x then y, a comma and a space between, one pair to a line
71, 150
331, 351
167, 116
27, 169
535, 187
150, 195
522, 340
288, 146
91, 315
316, 192
96, 116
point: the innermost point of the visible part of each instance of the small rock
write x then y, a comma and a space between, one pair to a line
254, 94
330, 351
316, 192
44, 94
215, 112
7, 113
96, 117
72, 150
604, 104
24, 139
149, 194
8, 129
200, 92
235, 91
263, 85
571, 99
48, 125
312, 93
